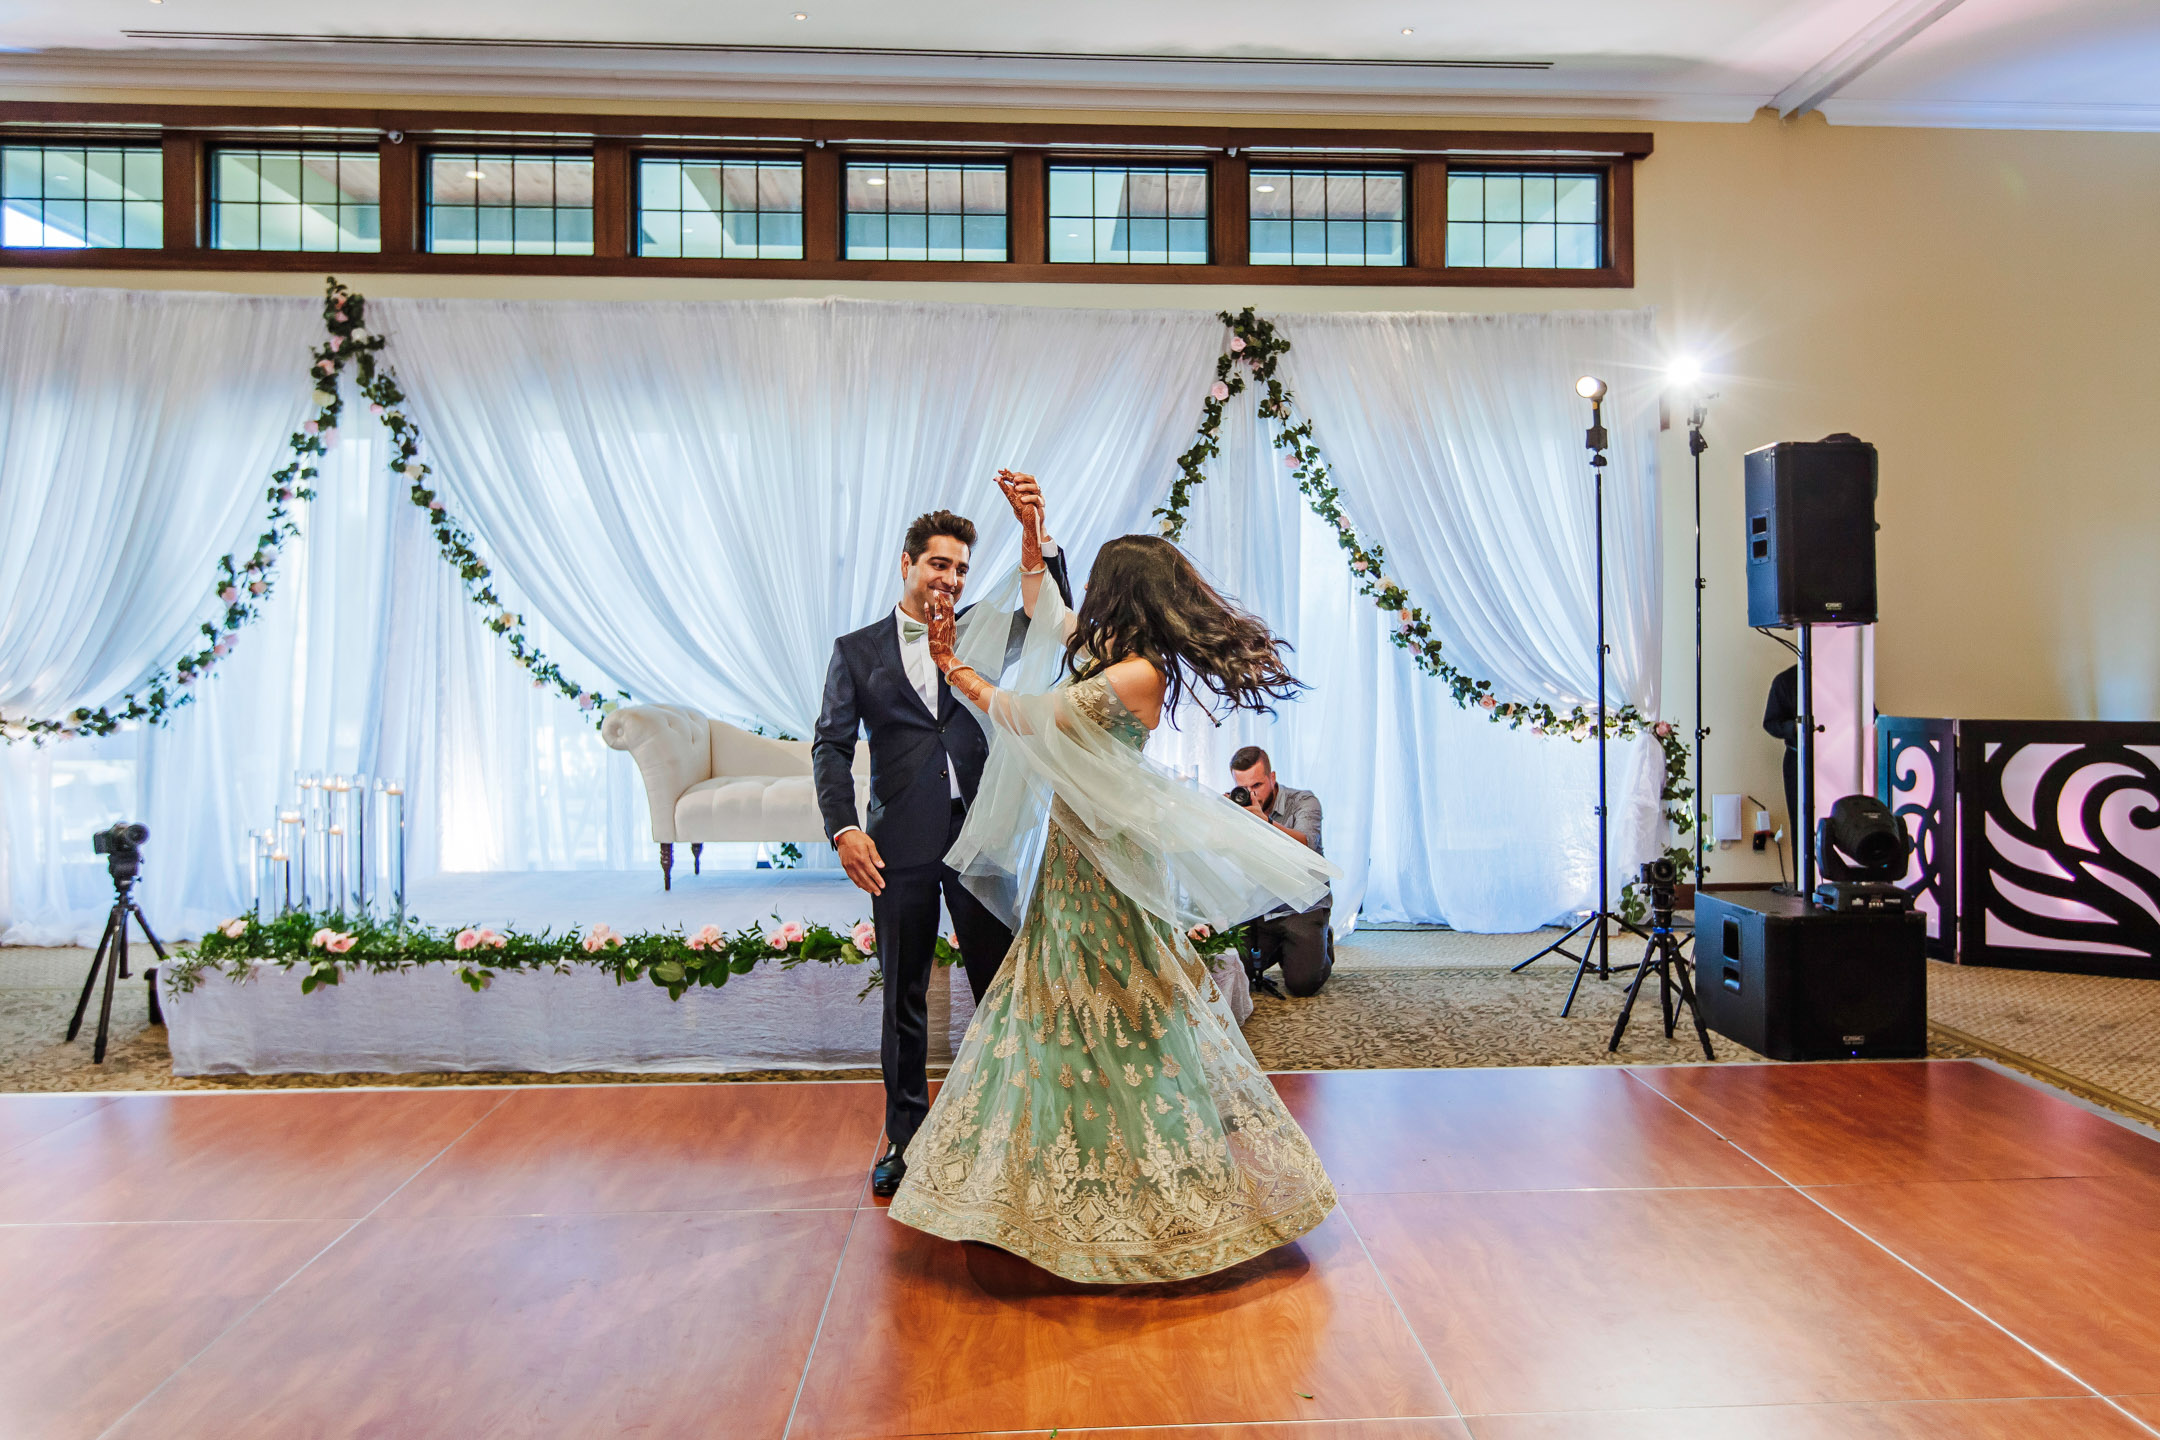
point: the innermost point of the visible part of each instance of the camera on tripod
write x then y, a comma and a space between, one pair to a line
122, 845
1660, 877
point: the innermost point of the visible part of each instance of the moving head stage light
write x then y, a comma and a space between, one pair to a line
1864, 850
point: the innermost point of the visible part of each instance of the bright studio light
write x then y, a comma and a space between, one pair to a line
1590, 388
1683, 372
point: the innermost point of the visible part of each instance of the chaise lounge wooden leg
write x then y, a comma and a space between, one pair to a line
697, 857
667, 866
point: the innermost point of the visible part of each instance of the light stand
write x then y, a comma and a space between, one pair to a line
1696, 445
1600, 940
1676, 986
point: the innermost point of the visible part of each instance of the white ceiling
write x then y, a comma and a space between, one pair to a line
2054, 64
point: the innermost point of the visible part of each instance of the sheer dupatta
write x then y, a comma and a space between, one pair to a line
1185, 856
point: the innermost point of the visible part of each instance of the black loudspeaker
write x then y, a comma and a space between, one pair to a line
1811, 533
1796, 982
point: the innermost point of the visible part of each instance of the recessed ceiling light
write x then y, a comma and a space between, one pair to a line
476, 174
1408, 31
1265, 189
802, 15
877, 179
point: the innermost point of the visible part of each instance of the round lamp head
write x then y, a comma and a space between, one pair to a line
1590, 388
1683, 372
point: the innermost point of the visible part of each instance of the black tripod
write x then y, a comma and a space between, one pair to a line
114, 945
1676, 986
1599, 941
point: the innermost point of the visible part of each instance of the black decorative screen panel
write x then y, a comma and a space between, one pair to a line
2059, 824
1916, 772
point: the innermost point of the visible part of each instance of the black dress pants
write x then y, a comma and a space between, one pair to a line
1301, 945
906, 917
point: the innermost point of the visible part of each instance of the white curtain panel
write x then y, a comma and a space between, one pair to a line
1433, 812
705, 495
1458, 442
137, 436
691, 501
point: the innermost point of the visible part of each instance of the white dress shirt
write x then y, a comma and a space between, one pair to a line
922, 674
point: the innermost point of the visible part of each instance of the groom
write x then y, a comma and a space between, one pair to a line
926, 757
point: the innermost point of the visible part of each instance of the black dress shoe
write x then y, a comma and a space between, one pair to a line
886, 1175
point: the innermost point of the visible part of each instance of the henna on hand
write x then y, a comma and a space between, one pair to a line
1025, 497
944, 630
970, 685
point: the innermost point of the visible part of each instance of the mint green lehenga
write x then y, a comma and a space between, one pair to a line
1104, 1117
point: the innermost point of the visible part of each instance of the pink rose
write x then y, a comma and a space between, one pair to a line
1290, 458
309, 427
329, 436
1663, 728
325, 366
1488, 702
592, 944
1219, 390
256, 587
467, 940
492, 940
776, 941
1358, 565
793, 931
587, 701
865, 937
336, 344
228, 594
338, 944
435, 506
374, 409
234, 929
1236, 344
1405, 614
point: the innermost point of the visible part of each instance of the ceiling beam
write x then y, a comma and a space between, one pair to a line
1885, 34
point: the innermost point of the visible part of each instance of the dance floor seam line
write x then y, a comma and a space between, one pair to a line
1804, 1192
1387, 1288
832, 1288
301, 1269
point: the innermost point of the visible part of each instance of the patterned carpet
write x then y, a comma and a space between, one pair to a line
1397, 999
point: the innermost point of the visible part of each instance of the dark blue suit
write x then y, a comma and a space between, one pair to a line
913, 820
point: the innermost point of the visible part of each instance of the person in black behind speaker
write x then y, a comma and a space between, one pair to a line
1781, 717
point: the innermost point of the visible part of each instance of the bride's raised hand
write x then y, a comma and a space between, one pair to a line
944, 631
1025, 497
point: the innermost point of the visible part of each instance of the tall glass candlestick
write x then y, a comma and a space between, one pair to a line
395, 833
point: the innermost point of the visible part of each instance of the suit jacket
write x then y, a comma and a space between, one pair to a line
914, 750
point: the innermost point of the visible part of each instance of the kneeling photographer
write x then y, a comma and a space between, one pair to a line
1298, 941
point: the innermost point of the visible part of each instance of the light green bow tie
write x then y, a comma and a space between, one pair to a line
912, 630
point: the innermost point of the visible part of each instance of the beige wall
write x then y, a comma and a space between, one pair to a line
1981, 305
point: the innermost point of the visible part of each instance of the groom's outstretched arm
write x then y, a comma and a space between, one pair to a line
832, 750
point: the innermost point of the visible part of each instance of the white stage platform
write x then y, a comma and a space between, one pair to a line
632, 900
426, 1019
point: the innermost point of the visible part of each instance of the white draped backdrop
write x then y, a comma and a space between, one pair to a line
689, 501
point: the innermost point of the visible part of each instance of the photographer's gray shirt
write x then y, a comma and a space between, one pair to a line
1300, 811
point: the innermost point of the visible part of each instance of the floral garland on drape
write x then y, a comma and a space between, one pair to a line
1256, 346
242, 585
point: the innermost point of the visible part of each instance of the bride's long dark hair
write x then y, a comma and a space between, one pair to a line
1144, 598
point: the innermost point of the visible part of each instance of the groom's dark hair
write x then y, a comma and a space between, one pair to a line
937, 522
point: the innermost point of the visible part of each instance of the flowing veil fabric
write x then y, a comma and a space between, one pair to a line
1185, 856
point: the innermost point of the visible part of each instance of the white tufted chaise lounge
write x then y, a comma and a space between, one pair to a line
707, 780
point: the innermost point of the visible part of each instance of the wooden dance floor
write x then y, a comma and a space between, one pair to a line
1809, 1252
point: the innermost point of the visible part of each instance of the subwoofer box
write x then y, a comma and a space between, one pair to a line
1793, 981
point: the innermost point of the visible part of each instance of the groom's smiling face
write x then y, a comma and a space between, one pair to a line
943, 567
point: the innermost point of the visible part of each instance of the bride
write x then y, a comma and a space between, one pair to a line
1104, 1118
